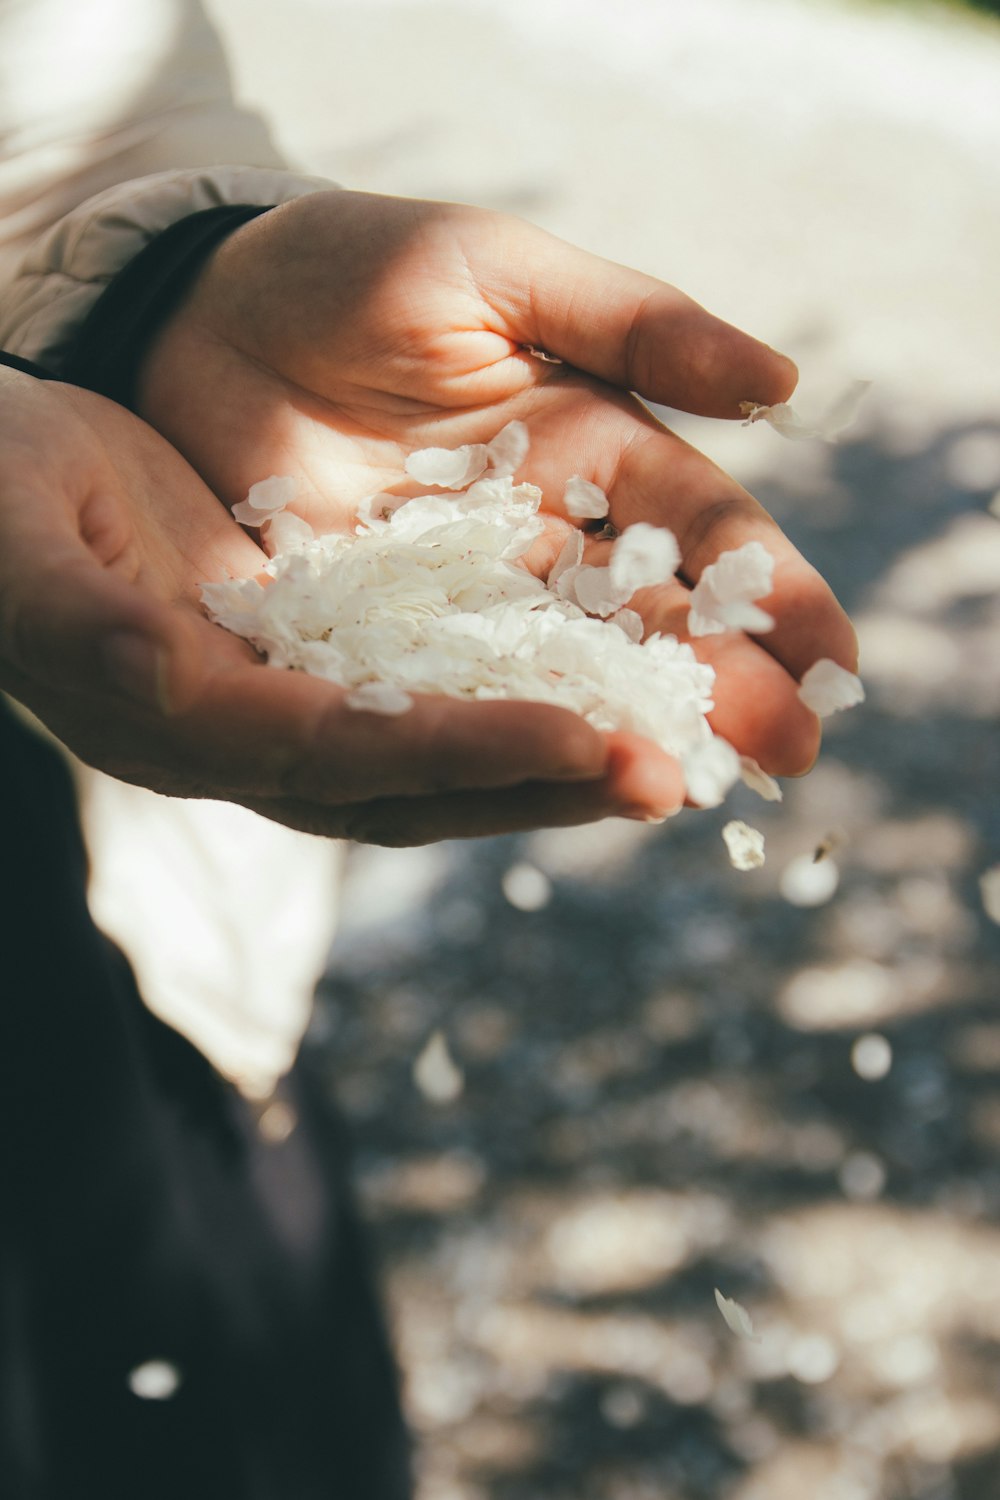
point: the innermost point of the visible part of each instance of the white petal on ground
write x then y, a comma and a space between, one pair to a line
508, 450
723, 598
642, 556
758, 780
435, 1072
379, 698
526, 887
806, 882
989, 890
827, 688
585, 501
154, 1380
735, 1315
265, 499
871, 1056
448, 468
745, 845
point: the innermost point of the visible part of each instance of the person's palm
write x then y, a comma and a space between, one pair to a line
331, 337
106, 534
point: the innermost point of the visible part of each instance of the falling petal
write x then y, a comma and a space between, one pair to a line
735, 1316
435, 1073
827, 688
758, 780
154, 1380
745, 845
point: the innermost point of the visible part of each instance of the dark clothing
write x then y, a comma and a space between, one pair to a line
144, 1217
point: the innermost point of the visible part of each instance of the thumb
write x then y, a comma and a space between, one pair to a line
73, 627
634, 331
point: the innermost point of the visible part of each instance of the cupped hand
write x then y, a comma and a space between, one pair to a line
105, 536
332, 336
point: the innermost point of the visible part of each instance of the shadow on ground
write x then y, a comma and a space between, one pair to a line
675, 1079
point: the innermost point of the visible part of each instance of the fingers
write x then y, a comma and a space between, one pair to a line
283, 734
639, 782
73, 627
663, 479
630, 329
651, 475
757, 707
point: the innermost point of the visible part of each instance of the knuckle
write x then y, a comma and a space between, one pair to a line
638, 361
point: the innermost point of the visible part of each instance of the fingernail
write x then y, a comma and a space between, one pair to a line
647, 815
576, 773
136, 666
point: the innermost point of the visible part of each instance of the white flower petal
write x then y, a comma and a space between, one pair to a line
745, 845
736, 1317
285, 532
827, 688
154, 1380
508, 450
711, 770
593, 591
448, 468
808, 882
631, 623
376, 509
989, 890
723, 597
526, 887
266, 499
570, 556
844, 409
435, 1072
786, 421
758, 780
585, 501
642, 556
699, 624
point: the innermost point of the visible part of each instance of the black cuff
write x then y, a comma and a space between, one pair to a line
116, 332
26, 366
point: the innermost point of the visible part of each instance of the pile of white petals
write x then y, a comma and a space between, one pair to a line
430, 596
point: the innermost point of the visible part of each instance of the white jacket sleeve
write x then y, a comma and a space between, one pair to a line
64, 272
225, 916
98, 93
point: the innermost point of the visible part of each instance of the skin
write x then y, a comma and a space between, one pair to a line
330, 337
107, 533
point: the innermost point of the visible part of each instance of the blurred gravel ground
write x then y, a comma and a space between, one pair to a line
670, 1082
